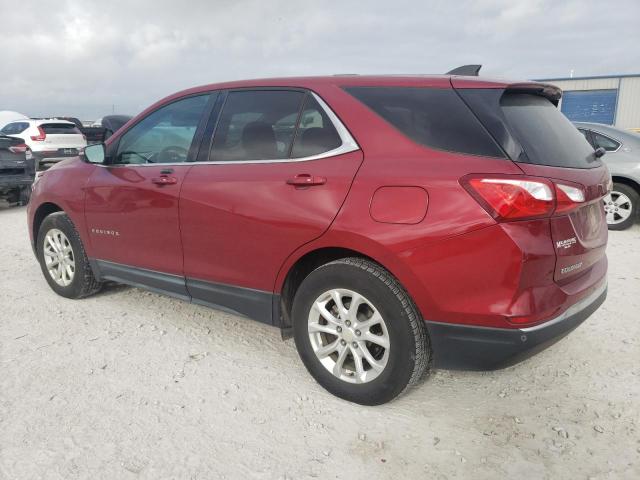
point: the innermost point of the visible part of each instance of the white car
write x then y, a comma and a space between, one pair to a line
49, 140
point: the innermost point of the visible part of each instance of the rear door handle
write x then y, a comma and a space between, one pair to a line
306, 180
164, 180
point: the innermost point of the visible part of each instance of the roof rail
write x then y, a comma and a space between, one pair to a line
466, 70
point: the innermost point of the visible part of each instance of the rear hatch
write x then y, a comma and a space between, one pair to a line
524, 120
63, 136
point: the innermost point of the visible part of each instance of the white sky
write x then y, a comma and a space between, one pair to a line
79, 58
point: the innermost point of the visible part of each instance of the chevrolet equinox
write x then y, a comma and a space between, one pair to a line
389, 224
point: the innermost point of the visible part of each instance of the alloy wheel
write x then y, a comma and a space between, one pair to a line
58, 257
617, 207
348, 335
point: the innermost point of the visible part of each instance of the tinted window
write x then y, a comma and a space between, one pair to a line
586, 135
546, 135
607, 143
437, 118
256, 125
316, 133
165, 135
14, 128
60, 129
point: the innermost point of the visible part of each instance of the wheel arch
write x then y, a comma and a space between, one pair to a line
627, 181
301, 268
42, 212
298, 267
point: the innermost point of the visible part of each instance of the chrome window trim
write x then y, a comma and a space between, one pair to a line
348, 145
610, 138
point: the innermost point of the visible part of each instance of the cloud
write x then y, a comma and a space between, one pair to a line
85, 58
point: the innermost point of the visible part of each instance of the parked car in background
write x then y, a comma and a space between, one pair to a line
388, 223
622, 205
112, 123
91, 134
49, 140
17, 170
106, 126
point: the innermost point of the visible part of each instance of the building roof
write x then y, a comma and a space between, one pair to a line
593, 77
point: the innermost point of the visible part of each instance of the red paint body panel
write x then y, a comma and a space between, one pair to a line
62, 185
241, 221
144, 215
406, 205
586, 225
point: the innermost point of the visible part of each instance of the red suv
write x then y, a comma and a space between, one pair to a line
388, 223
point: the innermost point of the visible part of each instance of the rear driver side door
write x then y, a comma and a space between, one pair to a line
273, 176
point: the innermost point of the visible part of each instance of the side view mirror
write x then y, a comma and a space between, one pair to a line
94, 153
600, 152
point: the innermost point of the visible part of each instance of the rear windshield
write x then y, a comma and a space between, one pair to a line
59, 128
546, 135
435, 117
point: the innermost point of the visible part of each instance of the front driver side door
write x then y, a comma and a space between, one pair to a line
131, 204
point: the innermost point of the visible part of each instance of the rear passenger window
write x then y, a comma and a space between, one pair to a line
316, 134
256, 125
609, 144
435, 117
14, 128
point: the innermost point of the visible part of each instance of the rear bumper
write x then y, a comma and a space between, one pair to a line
14, 181
465, 347
51, 156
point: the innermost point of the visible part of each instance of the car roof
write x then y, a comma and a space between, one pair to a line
346, 80
41, 121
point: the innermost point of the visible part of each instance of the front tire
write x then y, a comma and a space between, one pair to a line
62, 258
358, 332
621, 206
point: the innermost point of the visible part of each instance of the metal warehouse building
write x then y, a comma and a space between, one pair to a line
612, 99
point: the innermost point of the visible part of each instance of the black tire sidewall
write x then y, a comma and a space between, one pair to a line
400, 365
62, 222
25, 195
635, 205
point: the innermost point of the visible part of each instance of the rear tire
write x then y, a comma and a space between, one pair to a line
621, 207
62, 258
381, 342
25, 195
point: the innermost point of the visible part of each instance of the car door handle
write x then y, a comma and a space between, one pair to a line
306, 180
164, 180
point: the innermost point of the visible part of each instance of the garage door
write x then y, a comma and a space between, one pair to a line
597, 106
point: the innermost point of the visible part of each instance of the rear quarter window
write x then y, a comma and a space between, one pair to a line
433, 117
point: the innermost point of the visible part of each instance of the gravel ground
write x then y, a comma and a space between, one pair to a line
130, 384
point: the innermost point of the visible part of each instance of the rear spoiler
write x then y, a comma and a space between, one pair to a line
546, 90
551, 92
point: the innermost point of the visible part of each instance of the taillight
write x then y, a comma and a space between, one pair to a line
519, 197
568, 197
21, 148
513, 198
40, 137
